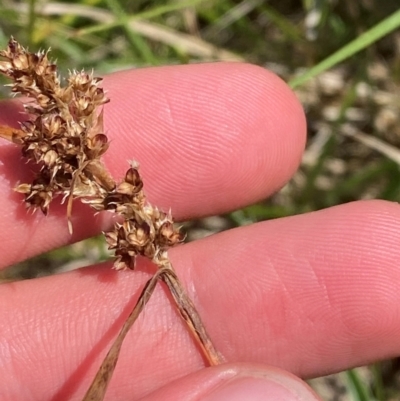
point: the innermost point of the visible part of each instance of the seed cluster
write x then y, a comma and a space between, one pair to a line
65, 137
145, 231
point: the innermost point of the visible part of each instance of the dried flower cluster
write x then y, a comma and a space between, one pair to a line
65, 137
145, 230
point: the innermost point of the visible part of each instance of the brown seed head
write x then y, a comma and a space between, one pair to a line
65, 136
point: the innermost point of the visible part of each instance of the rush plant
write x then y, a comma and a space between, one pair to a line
64, 135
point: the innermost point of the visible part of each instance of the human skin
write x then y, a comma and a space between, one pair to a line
309, 295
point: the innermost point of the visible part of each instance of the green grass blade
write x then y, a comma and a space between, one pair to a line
145, 15
359, 390
367, 38
379, 386
135, 41
283, 23
31, 21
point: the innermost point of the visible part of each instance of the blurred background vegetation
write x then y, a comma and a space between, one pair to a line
341, 57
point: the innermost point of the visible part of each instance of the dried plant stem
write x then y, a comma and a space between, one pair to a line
191, 316
98, 388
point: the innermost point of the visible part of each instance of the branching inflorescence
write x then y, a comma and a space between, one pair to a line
65, 137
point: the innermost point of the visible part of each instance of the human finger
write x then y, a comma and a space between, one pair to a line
236, 382
210, 138
312, 294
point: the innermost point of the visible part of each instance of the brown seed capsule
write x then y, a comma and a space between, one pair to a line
50, 158
20, 61
132, 177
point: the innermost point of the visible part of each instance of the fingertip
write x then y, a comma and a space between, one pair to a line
209, 137
236, 382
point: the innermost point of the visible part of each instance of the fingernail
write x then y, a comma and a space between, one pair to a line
257, 389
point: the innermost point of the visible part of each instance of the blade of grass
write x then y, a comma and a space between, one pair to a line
186, 43
145, 15
358, 388
363, 41
235, 13
283, 23
31, 21
135, 40
379, 386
